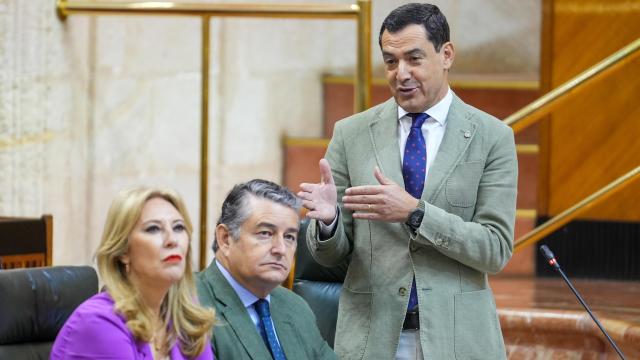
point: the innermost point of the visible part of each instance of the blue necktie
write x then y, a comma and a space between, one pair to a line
414, 167
266, 328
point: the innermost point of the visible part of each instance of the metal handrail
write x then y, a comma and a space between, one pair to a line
361, 12
545, 104
535, 111
328, 11
573, 212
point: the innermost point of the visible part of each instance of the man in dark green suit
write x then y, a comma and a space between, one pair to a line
418, 194
256, 239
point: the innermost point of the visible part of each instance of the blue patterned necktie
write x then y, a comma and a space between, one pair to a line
414, 167
266, 328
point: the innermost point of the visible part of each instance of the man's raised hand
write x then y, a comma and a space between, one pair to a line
320, 199
387, 201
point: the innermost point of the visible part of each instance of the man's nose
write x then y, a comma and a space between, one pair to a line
403, 72
278, 245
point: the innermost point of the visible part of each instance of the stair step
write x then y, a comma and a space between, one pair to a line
522, 262
527, 176
541, 318
499, 98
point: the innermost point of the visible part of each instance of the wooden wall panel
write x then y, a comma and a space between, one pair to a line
593, 138
338, 99
301, 161
587, 31
527, 178
594, 141
546, 56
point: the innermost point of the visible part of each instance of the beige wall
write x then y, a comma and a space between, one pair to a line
92, 105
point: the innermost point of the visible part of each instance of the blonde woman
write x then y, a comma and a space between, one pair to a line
148, 309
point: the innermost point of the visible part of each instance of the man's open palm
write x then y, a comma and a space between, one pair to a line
320, 199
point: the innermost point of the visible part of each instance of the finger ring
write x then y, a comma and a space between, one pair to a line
369, 206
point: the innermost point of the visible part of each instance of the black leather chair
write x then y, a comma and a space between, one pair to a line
320, 286
35, 303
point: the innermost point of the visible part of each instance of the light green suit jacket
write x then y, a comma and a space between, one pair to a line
236, 338
466, 233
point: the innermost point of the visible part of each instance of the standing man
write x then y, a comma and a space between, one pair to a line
256, 239
419, 193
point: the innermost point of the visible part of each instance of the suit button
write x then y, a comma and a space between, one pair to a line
439, 241
402, 291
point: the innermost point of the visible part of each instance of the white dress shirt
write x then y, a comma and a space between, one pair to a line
432, 129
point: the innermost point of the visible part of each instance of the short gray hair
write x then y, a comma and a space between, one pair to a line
235, 208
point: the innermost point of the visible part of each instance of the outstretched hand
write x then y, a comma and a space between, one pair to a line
320, 199
385, 202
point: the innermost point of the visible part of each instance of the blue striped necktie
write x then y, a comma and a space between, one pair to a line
266, 329
414, 168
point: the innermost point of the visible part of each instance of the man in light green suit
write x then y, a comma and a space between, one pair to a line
257, 319
422, 209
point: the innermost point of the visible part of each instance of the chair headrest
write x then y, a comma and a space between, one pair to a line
22, 236
35, 302
308, 269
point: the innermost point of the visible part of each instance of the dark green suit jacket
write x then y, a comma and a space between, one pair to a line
235, 337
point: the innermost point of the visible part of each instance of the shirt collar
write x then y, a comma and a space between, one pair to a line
245, 295
438, 111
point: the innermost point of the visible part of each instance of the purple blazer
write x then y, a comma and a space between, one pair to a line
95, 331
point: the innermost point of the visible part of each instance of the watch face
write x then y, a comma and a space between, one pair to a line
416, 218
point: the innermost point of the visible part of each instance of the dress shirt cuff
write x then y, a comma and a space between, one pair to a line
326, 231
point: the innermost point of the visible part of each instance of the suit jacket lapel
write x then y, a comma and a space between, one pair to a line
383, 129
286, 330
457, 137
233, 311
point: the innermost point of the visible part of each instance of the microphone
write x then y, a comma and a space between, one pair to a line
548, 254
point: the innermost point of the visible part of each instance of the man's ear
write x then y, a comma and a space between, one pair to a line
223, 238
448, 55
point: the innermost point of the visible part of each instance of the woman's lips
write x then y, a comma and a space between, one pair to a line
172, 258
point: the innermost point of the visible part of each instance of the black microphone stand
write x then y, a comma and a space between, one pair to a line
548, 254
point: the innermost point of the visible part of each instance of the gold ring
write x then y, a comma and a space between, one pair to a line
370, 206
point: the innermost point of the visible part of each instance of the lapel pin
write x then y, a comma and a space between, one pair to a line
467, 134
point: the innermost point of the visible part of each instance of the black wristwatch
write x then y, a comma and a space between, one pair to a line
415, 217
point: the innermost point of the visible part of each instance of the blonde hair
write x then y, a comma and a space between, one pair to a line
185, 320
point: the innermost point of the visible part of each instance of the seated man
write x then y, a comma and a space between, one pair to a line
254, 247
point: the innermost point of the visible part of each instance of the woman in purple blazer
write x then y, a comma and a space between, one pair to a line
148, 309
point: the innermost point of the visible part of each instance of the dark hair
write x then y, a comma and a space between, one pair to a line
235, 208
427, 15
